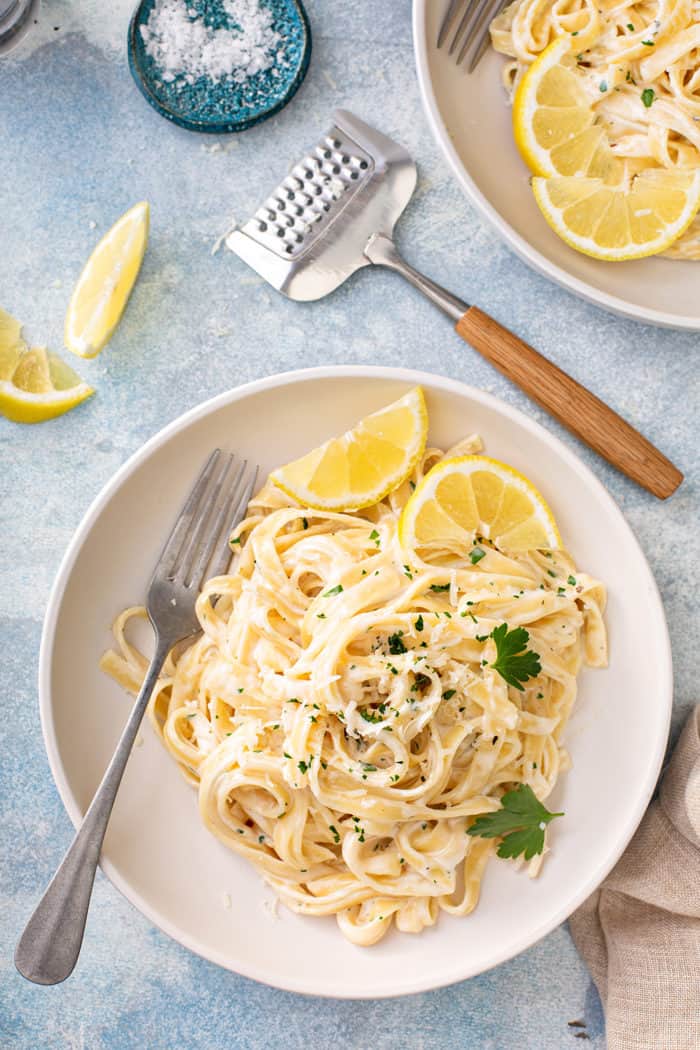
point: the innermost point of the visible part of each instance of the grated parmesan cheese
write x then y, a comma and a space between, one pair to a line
182, 44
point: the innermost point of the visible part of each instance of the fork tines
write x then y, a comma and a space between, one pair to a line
197, 542
472, 32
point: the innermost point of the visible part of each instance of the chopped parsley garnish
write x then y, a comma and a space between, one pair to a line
374, 535
334, 832
448, 694
439, 587
286, 755
369, 716
476, 554
396, 645
519, 823
368, 767
648, 97
648, 43
514, 662
293, 700
407, 571
413, 486
320, 616
419, 625
603, 86
305, 522
630, 27
571, 580
333, 590
237, 540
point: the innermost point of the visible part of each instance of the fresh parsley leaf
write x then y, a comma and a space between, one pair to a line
448, 694
648, 96
438, 587
396, 645
519, 823
236, 540
514, 662
419, 625
648, 43
476, 554
305, 522
333, 590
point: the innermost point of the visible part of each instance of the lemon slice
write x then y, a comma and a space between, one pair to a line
365, 464
460, 499
11, 344
105, 284
620, 222
553, 120
39, 387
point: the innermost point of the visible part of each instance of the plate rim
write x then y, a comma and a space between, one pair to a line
161, 437
522, 248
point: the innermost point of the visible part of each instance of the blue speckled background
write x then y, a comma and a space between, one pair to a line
78, 146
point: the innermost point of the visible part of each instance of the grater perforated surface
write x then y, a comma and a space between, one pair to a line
314, 192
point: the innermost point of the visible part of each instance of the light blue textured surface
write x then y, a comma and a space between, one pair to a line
78, 146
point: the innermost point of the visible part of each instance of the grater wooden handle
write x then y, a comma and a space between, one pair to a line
577, 408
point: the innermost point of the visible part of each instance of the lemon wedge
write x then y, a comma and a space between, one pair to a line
38, 385
554, 122
365, 464
105, 284
626, 221
460, 499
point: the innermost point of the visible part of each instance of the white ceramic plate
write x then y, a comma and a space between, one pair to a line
156, 850
470, 119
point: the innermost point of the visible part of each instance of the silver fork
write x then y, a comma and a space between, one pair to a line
472, 30
49, 947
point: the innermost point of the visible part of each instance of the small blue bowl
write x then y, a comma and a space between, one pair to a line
226, 106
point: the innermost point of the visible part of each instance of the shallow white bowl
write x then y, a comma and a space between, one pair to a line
470, 119
156, 850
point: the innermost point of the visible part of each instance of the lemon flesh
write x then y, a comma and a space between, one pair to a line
554, 122
476, 496
105, 284
40, 387
624, 221
365, 464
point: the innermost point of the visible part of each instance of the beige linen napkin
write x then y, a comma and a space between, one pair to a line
640, 932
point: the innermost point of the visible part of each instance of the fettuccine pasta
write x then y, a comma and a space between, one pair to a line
641, 63
339, 717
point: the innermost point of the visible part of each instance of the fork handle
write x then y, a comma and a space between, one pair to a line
573, 405
48, 949
578, 409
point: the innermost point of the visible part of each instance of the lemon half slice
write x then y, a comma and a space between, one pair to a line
554, 122
471, 496
106, 282
365, 464
39, 386
620, 222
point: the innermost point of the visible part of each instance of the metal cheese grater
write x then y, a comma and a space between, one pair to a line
335, 213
